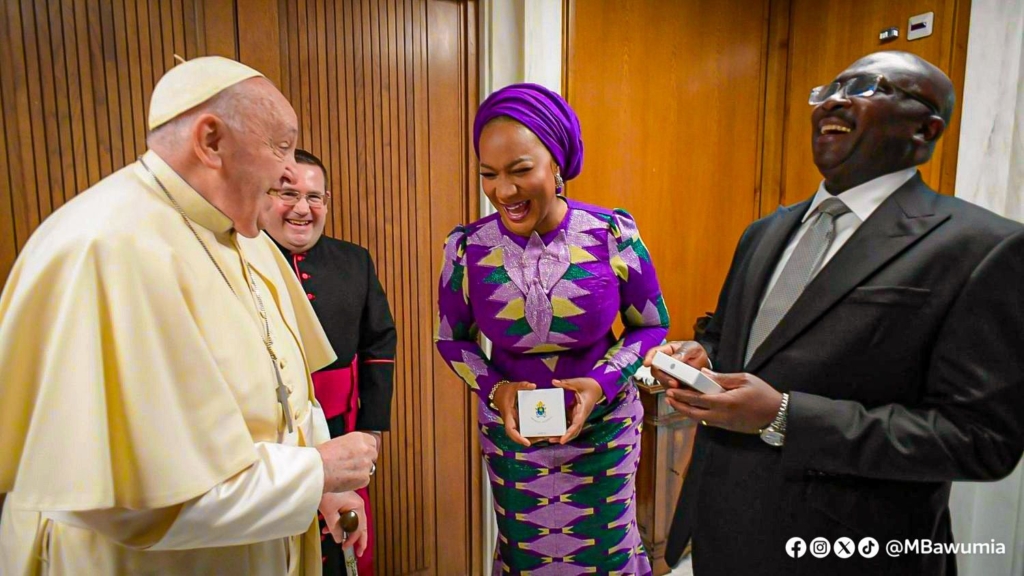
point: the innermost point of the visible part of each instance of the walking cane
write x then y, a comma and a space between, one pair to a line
349, 524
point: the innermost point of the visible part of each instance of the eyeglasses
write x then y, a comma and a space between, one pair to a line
863, 87
291, 198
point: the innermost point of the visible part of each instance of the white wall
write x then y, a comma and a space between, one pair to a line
990, 167
990, 172
542, 45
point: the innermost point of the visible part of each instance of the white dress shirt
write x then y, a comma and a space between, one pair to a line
862, 200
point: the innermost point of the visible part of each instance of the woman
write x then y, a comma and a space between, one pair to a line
544, 280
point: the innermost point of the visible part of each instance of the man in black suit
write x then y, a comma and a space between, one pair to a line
871, 344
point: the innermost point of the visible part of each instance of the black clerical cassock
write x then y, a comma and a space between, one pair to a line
355, 391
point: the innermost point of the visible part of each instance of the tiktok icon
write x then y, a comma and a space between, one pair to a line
868, 547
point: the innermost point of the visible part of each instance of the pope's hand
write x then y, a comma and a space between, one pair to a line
332, 506
348, 461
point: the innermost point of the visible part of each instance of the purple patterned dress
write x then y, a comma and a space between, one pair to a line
548, 304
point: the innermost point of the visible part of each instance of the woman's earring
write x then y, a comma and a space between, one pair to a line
559, 183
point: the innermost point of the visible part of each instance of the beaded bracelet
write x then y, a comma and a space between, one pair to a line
490, 397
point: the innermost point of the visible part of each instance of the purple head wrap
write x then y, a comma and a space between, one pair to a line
544, 113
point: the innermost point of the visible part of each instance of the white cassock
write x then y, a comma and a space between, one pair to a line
140, 431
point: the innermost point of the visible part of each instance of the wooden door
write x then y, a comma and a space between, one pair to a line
826, 37
385, 91
695, 119
669, 96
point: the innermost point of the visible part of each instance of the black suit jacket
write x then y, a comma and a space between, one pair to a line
904, 360
342, 284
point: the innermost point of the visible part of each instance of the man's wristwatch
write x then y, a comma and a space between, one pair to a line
775, 433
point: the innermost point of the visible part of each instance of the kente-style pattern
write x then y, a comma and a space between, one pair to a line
566, 510
548, 304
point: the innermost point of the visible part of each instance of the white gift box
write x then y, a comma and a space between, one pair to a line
542, 413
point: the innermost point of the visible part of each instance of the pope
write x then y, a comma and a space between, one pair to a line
158, 415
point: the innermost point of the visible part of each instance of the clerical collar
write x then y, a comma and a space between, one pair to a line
287, 251
197, 208
865, 198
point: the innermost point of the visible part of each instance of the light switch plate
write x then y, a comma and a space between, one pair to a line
920, 26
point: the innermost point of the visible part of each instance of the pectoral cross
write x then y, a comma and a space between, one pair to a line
282, 397
268, 341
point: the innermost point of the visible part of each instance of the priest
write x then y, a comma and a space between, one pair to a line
158, 415
340, 280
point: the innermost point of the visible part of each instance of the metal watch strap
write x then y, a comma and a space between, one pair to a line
779, 424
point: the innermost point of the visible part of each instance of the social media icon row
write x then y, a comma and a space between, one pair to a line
843, 547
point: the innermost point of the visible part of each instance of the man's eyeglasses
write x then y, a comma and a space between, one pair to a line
291, 198
863, 87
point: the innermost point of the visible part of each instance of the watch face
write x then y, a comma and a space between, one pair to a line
773, 437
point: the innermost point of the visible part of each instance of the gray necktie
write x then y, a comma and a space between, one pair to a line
802, 264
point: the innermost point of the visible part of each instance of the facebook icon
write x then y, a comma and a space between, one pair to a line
796, 547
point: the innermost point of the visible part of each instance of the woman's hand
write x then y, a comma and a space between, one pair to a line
506, 401
588, 393
332, 506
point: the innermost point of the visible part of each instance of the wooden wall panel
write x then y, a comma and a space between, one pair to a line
8, 249
669, 95
773, 122
75, 77
216, 23
258, 38
385, 92
826, 37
